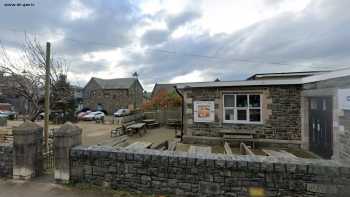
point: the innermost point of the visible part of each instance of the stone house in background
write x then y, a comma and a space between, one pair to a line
112, 94
309, 110
168, 87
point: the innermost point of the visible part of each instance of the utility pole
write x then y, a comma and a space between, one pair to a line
47, 94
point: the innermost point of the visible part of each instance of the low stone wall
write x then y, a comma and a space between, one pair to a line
185, 174
344, 138
6, 160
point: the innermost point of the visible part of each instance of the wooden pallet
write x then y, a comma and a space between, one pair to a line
244, 149
172, 144
227, 148
237, 132
280, 154
115, 142
200, 149
238, 136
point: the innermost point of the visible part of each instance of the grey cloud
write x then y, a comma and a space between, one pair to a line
178, 20
110, 25
153, 37
87, 67
317, 37
157, 36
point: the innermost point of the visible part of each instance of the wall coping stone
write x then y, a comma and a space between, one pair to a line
68, 129
28, 127
244, 162
6, 144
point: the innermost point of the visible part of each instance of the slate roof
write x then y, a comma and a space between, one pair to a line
118, 83
168, 87
294, 81
285, 75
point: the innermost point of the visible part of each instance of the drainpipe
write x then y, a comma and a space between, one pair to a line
182, 111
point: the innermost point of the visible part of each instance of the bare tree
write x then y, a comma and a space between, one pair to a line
24, 75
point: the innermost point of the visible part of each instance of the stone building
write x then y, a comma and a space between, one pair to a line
112, 94
167, 87
293, 109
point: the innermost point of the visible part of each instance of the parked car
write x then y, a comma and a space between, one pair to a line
82, 114
121, 112
10, 114
85, 109
94, 116
3, 116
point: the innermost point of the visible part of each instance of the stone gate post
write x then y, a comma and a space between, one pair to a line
65, 138
27, 147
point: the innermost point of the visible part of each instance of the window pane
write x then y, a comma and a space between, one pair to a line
242, 101
254, 100
254, 115
313, 103
229, 114
241, 114
229, 100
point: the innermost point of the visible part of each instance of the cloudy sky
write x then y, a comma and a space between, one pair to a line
168, 41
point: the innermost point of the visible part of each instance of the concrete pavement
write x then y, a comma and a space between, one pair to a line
43, 187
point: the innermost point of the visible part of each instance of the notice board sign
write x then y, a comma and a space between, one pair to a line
204, 111
344, 99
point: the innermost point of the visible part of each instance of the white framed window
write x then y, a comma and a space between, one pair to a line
242, 108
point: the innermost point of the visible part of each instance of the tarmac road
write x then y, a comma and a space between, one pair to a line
44, 188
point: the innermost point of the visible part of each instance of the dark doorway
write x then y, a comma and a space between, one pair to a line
320, 126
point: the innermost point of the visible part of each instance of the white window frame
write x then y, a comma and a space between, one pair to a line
235, 108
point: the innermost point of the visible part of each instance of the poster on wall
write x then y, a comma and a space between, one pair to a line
204, 111
344, 99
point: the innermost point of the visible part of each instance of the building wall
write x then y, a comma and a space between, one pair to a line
112, 99
109, 99
280, 112
6, 157
341, 118
185, 174
136, 95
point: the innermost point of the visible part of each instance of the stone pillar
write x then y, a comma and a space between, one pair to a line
3, 121
27, 147
65, 138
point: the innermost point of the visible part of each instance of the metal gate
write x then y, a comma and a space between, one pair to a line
48, 159
320, 126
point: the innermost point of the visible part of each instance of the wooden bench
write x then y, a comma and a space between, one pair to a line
115, 142
136, 128
244, 149
139, 145
200, 149
280, 154
121, 129
239, 135
153, 125
172, 144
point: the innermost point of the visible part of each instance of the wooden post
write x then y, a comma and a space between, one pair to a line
47, 94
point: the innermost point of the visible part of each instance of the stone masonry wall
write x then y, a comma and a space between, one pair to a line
6, 160
186, 174
280, 112
344, 138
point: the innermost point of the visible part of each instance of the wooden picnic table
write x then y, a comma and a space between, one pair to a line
151, 123
137, 127
139, 145
148, 120
200, 149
